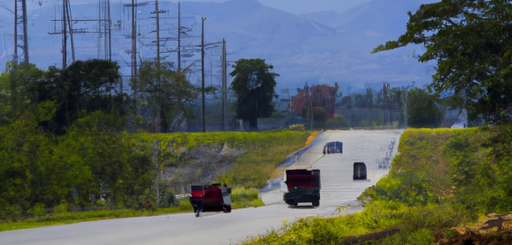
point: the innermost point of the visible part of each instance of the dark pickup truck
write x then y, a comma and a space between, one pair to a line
303, 185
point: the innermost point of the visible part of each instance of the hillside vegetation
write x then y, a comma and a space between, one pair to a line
244, 159
441, 179
91, 173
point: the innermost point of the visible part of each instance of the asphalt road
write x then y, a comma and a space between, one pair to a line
374, 148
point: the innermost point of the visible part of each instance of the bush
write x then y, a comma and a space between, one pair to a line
243, 198
299, 127
37, 210
184, 204
337, 122
61, 208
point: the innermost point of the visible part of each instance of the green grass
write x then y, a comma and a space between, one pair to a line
244, 198
76, 217
241, 198
264, 151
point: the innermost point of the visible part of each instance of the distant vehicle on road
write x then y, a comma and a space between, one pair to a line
360, 171
210, 198
333, 147
303, 185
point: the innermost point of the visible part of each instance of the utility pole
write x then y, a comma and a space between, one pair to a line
105, 29
110, 35
64, 36
157, 41
224, 87
179, 38
25, 37
158, 79
202, 71
15, 56
134, 40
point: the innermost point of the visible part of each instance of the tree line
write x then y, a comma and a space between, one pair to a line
408, 107
61, 142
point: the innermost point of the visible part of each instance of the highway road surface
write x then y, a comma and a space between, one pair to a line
374, 148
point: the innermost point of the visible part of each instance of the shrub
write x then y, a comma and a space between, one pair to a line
242, 198
299, 127
37, 210
337, 122
61, 208
184, 204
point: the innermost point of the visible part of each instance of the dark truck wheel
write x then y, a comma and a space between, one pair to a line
316, 202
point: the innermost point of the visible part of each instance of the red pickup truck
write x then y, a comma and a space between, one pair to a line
210, 198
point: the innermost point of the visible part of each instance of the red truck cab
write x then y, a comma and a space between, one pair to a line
210, 198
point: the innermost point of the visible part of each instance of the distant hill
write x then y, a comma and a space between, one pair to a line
318, 48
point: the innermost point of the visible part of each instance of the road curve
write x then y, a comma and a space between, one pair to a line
374, 148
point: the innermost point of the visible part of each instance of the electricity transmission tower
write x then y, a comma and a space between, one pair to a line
20, 31
67, 30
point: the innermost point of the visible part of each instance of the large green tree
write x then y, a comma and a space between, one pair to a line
15, 87
422, 109
82, 88
254, 86
167, 101
471, 42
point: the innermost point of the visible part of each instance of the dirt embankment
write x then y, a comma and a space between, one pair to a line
199, 165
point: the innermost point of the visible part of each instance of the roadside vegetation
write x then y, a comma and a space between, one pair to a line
74, 146
441, 179
241, 198
63, 183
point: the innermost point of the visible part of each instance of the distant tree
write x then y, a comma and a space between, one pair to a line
390, 99
254, 87
422, 109
15, 89
82, 88
337, 122
346, 102
369, 97
169, 99
24, 151
317, 101
359, 100
471, 42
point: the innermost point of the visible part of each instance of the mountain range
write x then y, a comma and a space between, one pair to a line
314, 48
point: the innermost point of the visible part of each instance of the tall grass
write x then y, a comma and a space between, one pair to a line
243, 198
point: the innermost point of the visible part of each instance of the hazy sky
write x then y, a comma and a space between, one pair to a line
301, 6
292, 6
307, 6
